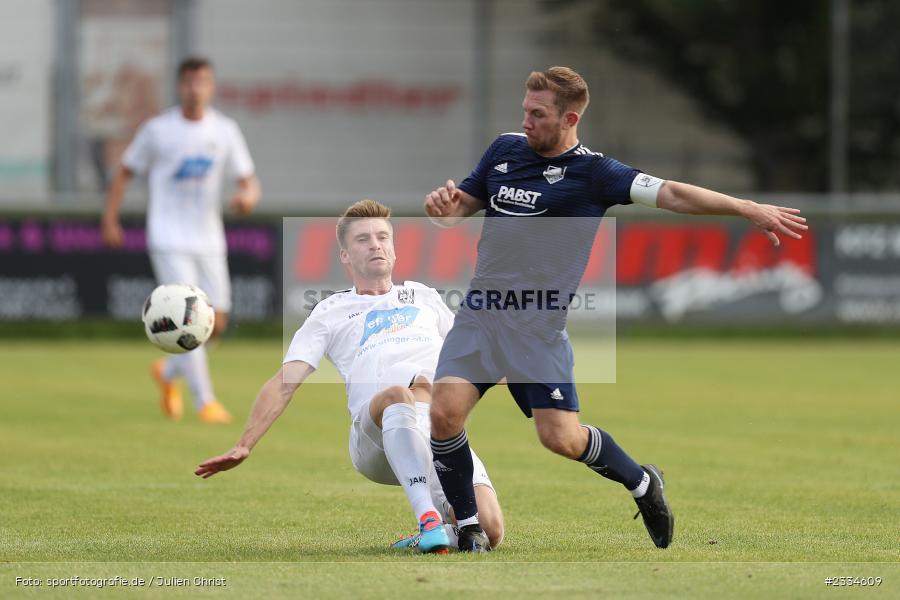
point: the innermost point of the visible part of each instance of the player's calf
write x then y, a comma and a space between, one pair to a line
568, 446
560, 431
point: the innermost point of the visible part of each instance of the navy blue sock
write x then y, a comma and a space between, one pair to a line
453, 463
604, 456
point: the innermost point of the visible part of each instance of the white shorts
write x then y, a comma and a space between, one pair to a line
367, 448
209, 272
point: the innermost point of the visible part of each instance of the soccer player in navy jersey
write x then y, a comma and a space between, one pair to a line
512, 321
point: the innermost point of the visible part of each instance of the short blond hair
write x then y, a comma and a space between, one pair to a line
364, 209
569, 87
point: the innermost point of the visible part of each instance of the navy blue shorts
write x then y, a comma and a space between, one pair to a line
482, 350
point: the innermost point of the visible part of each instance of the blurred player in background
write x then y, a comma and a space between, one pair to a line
384, 340
186, 152
547, 172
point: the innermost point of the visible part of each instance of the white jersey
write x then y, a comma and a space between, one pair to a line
185, 162
375, 341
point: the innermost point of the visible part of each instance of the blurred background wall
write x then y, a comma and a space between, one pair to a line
796, 103
386, 97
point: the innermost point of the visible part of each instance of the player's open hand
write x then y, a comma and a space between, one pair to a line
224, 462
443, 201
774, 220
111, 230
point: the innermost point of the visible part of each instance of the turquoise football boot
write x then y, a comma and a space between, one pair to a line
432, 536
410, 541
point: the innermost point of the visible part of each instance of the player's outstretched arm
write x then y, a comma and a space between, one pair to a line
273, 398
110, 227
694, 200
448, 206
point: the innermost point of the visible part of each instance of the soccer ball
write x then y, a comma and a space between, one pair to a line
178, 317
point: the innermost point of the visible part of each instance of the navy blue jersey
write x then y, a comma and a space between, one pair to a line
525, 245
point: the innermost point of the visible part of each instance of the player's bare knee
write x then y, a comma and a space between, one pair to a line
397, 394
446, 421
440, 419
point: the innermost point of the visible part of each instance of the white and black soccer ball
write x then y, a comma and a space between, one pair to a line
178, 317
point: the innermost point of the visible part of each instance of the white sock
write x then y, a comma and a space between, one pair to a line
641, 489
409, 455
195, 369
473, 520
438, 497
173, 367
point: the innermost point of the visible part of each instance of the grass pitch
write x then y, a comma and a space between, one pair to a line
781, 459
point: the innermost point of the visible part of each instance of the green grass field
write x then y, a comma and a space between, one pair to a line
781, 457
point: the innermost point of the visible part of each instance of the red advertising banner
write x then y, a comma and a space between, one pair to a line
669, 271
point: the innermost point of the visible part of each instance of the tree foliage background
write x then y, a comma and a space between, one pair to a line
763, 69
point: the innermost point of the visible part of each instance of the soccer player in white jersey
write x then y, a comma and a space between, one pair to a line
384, 340
186, 152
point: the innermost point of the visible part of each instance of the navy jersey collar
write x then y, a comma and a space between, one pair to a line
561, 154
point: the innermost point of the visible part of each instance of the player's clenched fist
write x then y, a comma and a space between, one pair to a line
111, 230
443, 201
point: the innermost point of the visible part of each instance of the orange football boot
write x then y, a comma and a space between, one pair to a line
171, 404
214, 413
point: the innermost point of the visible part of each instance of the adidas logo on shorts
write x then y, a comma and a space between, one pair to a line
556, 394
